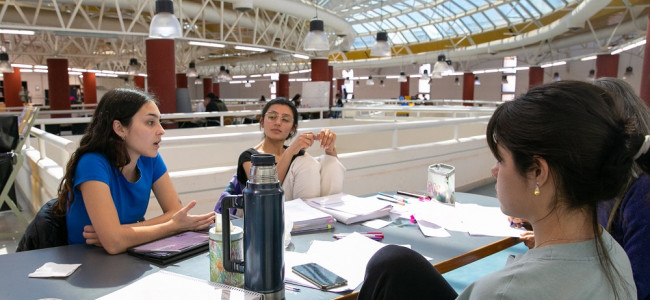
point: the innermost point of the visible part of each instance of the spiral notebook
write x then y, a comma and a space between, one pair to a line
168, 285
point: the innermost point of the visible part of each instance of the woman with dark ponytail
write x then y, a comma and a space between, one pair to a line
108, 180
626, 218
561, 149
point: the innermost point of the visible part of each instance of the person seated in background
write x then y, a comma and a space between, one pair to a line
215, 104
200, 107
108, 180
561, 149
300, 174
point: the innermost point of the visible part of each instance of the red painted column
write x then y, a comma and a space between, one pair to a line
215, 89
12, 86
160, 73
138, 82
181, 80
283, 86
90, 88
468, 88
645, 71
320, 70
59, 83
207, 86
404, 87
606, 65
535, 76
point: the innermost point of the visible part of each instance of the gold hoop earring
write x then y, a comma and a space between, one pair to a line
536, 192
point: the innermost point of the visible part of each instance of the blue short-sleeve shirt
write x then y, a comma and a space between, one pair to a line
131, 198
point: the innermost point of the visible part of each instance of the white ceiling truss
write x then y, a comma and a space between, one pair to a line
106, 34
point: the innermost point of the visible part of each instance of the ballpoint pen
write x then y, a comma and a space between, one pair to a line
291, 288
398, 198
390, 200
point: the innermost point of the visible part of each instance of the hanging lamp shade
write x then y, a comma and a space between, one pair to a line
592, 74
556, 76
402, 77
476, 81
347, 80
381, 47
316, 39
191, 71
425, 75
164, 24
504, 79
134, 67
370, 81
629, 71
198, 80
247, 84
439, 67
381, 82
457, 81
5, 66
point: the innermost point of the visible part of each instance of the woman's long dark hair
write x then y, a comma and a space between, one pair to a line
120, 105
583, 136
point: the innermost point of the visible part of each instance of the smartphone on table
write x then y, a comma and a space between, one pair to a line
323, 278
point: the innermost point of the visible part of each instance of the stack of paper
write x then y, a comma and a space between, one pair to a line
349, 209
306, 218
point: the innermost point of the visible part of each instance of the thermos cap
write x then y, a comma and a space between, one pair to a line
263, 159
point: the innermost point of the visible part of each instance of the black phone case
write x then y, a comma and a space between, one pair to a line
315, 280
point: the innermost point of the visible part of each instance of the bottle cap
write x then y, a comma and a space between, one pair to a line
263, 159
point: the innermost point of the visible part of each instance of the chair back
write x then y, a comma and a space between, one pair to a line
45, 231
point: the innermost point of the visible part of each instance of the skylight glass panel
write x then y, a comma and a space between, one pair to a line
444, 12
522, 11
430, 14
510, 13
529, 8
359, 17
556, 3
396, 38
359, 29
406, 20
470, 24
419, 18
458, 26
358, 43
465, 5
401, 6
384, 25
444, 29
371, 26
453, 8
420, 34
495, 17
482, 21
395, 22
408, 36
368, 40
389, 9
432, 32
542, 6
371, 14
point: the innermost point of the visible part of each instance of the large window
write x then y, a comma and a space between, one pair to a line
509, 78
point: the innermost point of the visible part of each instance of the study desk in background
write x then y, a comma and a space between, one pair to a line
101, 273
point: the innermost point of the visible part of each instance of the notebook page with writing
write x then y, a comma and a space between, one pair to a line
168, 285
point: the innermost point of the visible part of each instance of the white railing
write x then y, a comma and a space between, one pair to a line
43, 138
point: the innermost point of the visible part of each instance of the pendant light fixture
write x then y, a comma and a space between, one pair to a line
556, 76
402, 77
164, 24
370, 81
457, 81
247, 84
346, 81
134, 67
592, 74
198, 80
629, 72
381, 47
5, 66
476, 81
504, 79
316, 39
425, 75
191, 71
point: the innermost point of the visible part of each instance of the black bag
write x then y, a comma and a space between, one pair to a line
6, 166
8, 133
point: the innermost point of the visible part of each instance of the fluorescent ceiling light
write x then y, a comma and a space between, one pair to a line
296, 55
588, 58
629, 46
26, 70
22, 66
214, 45
250, 48
40, 67
239, 76
256, 75
40, 71
17, 31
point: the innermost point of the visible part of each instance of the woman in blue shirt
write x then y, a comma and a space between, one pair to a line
109, 178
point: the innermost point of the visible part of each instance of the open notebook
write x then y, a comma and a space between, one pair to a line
169, 285
349, 209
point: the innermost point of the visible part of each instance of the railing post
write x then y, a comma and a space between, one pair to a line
395, 138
